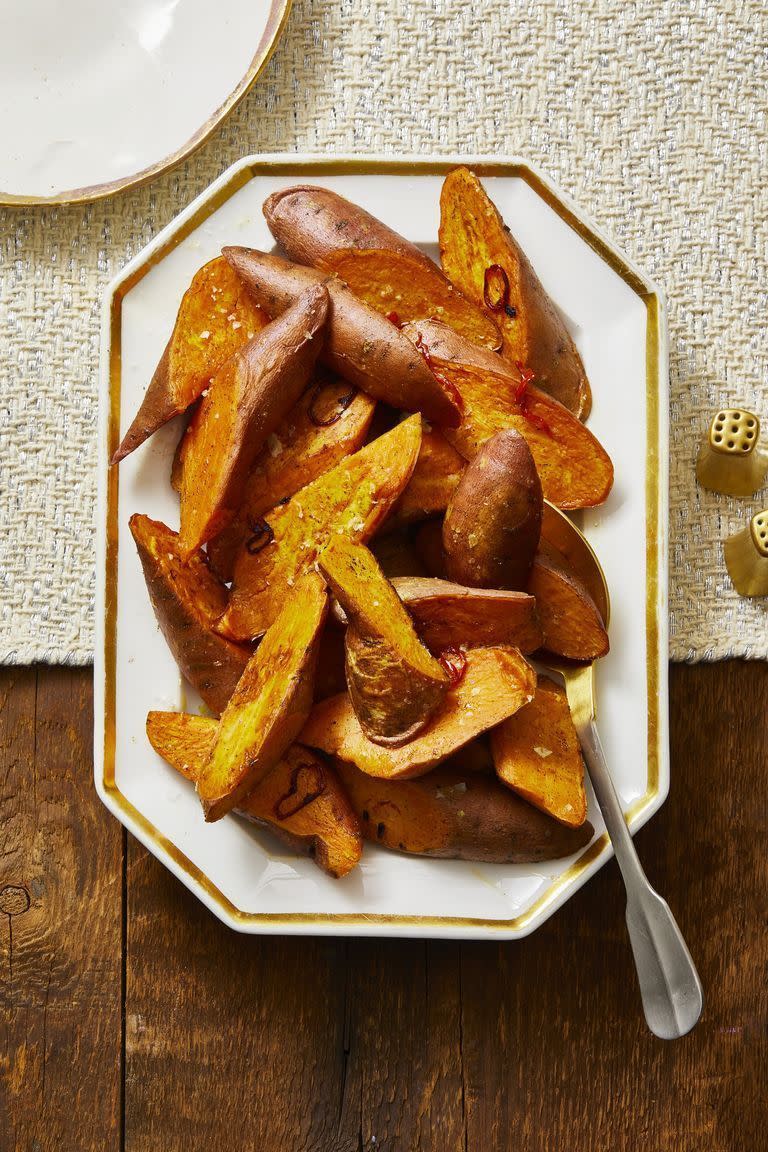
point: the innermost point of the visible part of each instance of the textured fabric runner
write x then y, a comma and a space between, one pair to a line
651, 115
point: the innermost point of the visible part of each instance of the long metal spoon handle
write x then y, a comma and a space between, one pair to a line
669, 983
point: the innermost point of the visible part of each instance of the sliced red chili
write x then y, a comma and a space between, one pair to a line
454, 662
307, 783
523, 398
262, 535
394, 319
442, 380
496, 288
342, 403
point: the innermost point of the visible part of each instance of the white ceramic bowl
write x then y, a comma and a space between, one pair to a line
97, 96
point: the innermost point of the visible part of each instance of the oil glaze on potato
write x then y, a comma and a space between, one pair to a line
352, 500
457, 814
570, 621
245, 402
476, 248
216, 317
434, 481
404, 288
188, 601
574, 468
361, 345
394, 683
493, 523
302, 800
536, 753
270, 703
496, 682
330, 421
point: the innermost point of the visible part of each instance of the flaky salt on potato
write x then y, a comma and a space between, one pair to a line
491, 684
536, 753
270, 704
216, 317
246, 400
352, 500
301, 800
188, 600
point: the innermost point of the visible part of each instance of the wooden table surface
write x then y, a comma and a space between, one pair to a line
131, 1019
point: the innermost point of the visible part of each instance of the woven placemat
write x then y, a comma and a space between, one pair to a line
651, 115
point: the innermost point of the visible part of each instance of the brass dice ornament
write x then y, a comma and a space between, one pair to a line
731, 459
746, 557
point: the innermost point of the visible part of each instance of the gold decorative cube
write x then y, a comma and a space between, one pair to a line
746, 557
730, 458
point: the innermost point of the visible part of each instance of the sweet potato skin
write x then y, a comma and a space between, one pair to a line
574, 468
570, 552
270, 703
492, 527
188, 600
394, 684
473, 238
536, 753
309, 223
361, 345
453, 813
496, 682
352, 499
306, 443
448, 615
301, 800
404, 288
571, 624
246, 401
216, 317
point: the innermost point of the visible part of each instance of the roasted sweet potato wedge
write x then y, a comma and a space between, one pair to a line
216, 317
457, 814
301, 800
482, 258
448, 615
188, 600
352, 499
246, 401
329, 422
492, 527
270, 703
574, 469
434, 481
570, 551
570, 621
403, 287
361, 345
310, 222
536, 753
394, 683
496, 682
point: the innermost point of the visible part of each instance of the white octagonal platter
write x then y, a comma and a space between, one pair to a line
616, 316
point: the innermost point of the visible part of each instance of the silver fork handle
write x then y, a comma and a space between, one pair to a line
669, 983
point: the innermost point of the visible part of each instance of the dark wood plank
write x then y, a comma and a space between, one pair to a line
231, 1041
60, 922
555, 1052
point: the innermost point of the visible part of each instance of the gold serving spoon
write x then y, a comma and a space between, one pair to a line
669, 983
